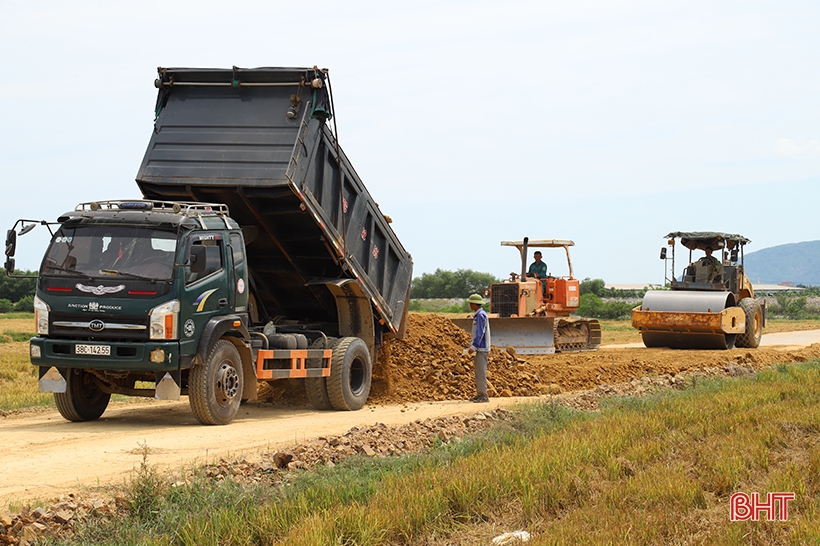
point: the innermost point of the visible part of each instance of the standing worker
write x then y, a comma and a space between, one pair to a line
480, 346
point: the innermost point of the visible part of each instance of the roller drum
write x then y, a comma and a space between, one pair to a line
687, 302
682, 302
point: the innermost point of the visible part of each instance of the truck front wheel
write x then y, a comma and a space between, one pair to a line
82, 400
215, 389
350, 374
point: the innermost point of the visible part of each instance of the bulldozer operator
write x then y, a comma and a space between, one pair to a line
538, 270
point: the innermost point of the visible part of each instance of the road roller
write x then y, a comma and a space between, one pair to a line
711, 305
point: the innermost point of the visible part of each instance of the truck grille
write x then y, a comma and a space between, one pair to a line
504, 299
70, 326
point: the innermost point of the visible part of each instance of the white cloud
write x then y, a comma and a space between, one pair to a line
786, 147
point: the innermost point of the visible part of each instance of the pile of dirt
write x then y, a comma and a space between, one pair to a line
428, 364
378, 440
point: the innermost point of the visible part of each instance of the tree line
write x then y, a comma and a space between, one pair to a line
443, 284
17, 295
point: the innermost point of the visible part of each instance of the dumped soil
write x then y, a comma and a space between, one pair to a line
428, 364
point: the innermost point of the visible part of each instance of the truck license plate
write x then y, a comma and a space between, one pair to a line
101, 350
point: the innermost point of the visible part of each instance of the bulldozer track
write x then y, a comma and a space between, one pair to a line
577, 335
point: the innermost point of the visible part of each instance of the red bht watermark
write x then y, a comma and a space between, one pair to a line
743, 507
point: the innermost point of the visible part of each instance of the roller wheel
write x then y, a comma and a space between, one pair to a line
754, 324
351, 373
82, 400
316, 387
215, 389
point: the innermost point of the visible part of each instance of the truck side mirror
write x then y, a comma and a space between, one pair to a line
11, 246
734, 255
26, 229
197, 259
663, 253
11, 242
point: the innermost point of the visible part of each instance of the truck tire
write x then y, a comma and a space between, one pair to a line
82, 400
215, 389
754, 324
351, 373
316, 387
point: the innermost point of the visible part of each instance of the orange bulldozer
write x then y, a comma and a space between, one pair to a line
532, 315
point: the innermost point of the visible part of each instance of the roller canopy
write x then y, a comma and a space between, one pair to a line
701, 240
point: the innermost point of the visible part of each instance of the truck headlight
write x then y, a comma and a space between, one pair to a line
164, 320
41, 310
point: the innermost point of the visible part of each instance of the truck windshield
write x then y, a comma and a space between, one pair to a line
101, 251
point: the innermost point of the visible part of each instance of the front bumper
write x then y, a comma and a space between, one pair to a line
153, 356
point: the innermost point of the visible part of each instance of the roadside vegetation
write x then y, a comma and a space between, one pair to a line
16, 294
450, 284
653, 470
797, 305
18, 378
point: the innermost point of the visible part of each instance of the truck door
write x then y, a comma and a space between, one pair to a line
240, 270
206, 293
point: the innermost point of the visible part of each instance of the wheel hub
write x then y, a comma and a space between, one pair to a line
227, 382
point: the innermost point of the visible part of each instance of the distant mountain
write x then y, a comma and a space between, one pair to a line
798, 263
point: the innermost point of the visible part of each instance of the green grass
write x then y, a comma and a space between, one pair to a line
18, 379
654, 470
11, 337
12, 316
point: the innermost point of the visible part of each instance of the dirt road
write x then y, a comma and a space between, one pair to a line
43, 456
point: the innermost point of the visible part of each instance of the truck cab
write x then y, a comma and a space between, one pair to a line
126, 290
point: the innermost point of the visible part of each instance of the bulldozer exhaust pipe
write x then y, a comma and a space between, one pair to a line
524, 259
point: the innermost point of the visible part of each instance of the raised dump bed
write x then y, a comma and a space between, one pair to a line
257, 140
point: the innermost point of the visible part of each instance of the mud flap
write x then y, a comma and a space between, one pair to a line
167, 388
527, 335
51, 380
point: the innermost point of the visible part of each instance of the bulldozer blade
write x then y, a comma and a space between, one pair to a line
526, 335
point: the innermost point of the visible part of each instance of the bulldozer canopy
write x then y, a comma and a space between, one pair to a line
540, 243
701, 240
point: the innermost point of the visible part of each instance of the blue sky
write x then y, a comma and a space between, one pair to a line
610, 123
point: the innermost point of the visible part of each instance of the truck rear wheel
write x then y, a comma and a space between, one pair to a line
215, 389
351, 373
82, 400
754, 324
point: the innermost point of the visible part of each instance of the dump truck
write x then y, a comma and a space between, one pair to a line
254, 254
711, 305
532, 316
